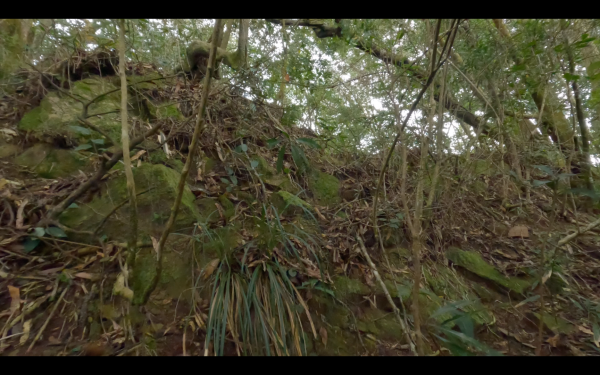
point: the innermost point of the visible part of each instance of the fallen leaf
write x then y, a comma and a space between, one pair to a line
121, 290
26, 329
546, 276
323, 334
518, 231
138, 154
211, 267
3, 274
586, 330
15, 295
553, 341
85, 275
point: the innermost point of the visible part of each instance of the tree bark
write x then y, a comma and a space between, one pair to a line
188, 163
133, 219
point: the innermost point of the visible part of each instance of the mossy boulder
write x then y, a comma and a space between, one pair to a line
289, 203
57, 114
176, 269
270, 176
159, 185
345, 287
49, 162
7, 150
474, 263
325, 188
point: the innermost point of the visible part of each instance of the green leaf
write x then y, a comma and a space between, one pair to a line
233, 179
586, 192
571, 77
299, 158
244, 147
56, 232
596, 330
73, 205
253, 164
80, 130
98, 141
536, 183
83, 147
279, 163
225, 181
39, 232
29, 244
546, 169
271, 143
518, 68
309, 141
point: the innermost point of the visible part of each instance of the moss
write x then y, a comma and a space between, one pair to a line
175, 275
345, 286
270, 176
556, 324
49, 162
56, 115
8, 150
289, 203
154, 206
381, 324
221, 242
208, 211
228, 207
325, 188
473, 262
168, 111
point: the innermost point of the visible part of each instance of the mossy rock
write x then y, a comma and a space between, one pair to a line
270, 176
345, 287
325, 188
159, 157
289, 203
57, 114
555, 323
49, 162
209, 214
176, 269
154, 206
168, 111
474, 263
383, 325
7, 150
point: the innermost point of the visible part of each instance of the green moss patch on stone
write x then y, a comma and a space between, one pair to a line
289, 203
154, 206
473, 262
345, 287
175, 275
325, 188
49, 162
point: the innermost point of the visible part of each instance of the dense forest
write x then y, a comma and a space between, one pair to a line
423, 187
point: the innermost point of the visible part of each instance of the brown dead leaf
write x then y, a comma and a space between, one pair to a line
15, 295
586, 330
518, 231
553, 341
26, 330
88, 276
323, 334
211, 267
137, 155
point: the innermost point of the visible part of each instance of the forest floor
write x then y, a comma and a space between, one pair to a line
46, 296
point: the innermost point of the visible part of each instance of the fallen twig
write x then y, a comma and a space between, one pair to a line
37, 337
363, 251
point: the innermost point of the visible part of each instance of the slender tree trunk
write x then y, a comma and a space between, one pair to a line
133, 218
585, 134
188, 163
